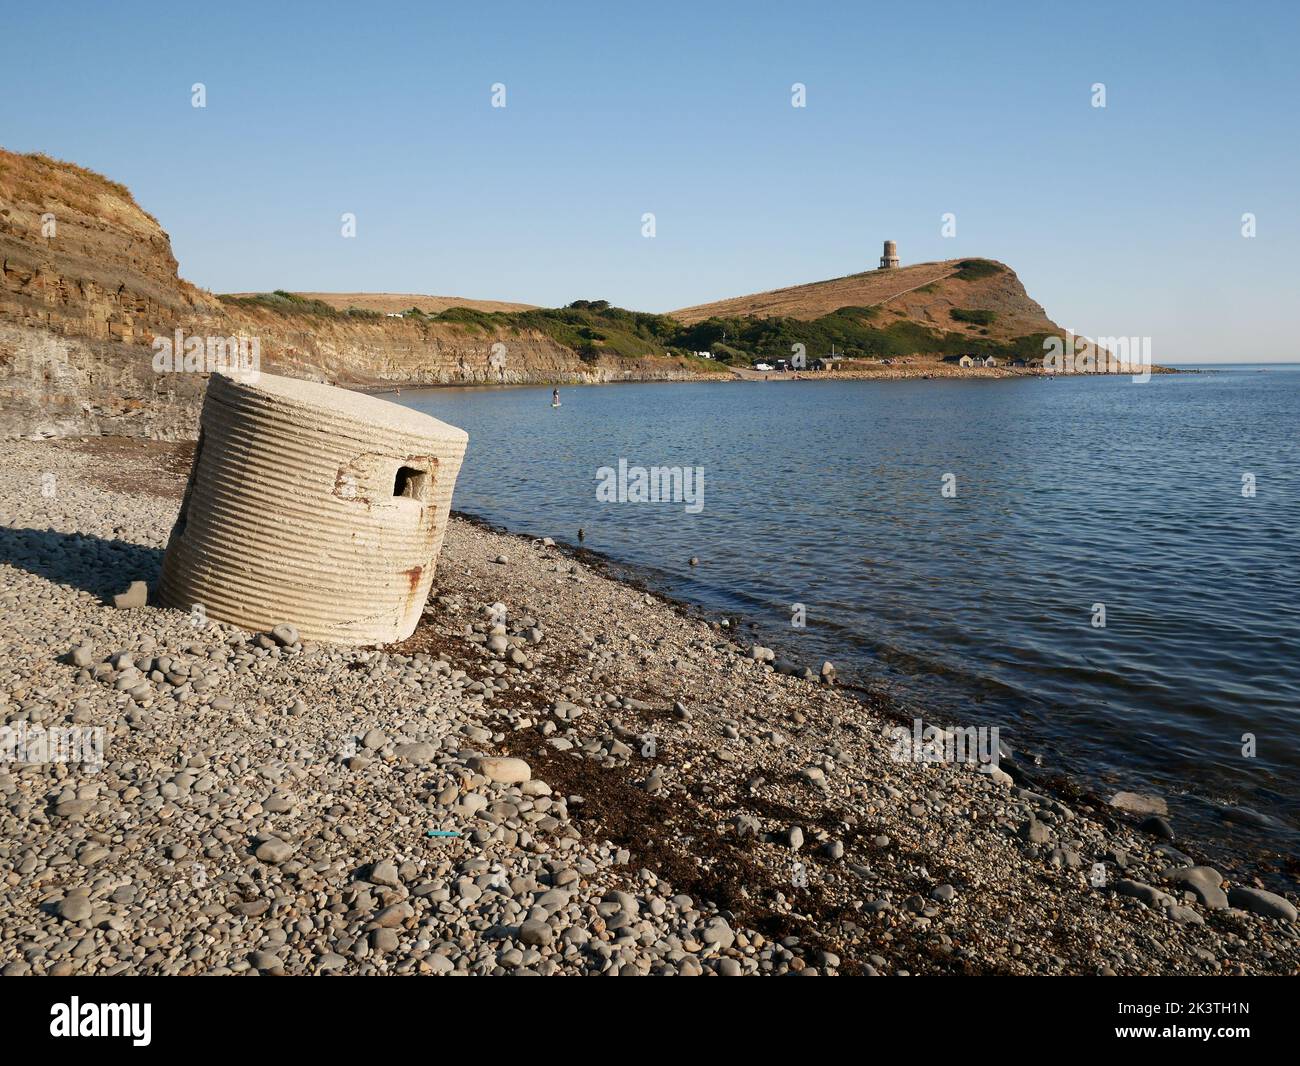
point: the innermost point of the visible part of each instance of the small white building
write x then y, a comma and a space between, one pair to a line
965, 360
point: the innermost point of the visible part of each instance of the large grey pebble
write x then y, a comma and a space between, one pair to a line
1258, 901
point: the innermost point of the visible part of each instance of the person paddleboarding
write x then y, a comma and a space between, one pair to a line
555, 397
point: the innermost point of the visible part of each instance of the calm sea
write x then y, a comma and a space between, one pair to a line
1174, 506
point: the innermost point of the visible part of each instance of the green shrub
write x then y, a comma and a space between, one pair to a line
285, 303
467, 316
731, 356
974, 269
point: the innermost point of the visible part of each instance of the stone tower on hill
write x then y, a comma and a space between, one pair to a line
890, 259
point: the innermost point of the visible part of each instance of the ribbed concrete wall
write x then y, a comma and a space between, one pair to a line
290, 513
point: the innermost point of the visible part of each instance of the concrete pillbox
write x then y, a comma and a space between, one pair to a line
312, 505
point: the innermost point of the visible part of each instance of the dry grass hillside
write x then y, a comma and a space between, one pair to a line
396, 302
925, 293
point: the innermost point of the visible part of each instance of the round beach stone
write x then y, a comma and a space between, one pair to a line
1205, 881
503, 770
718, 932
75, 909
536, 933
417, 753
1258, 901
274, 851
385, 873
285, 634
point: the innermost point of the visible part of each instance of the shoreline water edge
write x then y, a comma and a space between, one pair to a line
690, 804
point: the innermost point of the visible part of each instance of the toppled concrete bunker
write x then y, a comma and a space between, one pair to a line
312, 505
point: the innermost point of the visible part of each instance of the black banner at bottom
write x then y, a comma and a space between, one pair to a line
141, 1015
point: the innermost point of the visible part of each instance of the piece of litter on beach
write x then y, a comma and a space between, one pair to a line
443, 833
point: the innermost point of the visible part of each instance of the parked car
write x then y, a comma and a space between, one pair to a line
764, 366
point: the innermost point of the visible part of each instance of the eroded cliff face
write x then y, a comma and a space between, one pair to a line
88, 281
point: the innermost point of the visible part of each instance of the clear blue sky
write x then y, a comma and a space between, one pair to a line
1120, 221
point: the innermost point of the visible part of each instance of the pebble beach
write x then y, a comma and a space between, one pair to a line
557, 773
